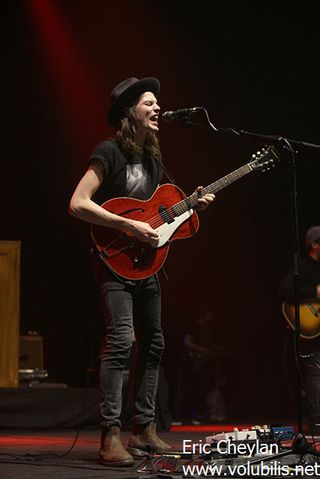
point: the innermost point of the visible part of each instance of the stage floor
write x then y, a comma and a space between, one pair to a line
44, 454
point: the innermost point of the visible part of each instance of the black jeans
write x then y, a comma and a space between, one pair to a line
132, 310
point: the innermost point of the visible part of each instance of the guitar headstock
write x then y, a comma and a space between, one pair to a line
265, 159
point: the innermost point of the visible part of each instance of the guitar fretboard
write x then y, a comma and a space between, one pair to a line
192, 200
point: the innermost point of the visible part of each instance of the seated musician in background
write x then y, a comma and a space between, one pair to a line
202, 379
128, 165
309, 292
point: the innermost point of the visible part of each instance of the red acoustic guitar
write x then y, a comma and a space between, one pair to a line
170, 213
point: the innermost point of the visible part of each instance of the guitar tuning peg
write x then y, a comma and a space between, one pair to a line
258, 153
253, 156
263, 150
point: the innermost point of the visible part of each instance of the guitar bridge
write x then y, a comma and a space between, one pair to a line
115, 253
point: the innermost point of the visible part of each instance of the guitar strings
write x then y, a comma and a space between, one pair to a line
158, 220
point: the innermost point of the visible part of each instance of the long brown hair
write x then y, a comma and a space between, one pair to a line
126, 136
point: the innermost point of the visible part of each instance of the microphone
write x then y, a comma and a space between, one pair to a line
183, 112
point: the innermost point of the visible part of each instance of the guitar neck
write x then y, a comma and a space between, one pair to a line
192, 200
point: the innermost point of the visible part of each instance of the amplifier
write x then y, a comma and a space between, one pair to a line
31, 352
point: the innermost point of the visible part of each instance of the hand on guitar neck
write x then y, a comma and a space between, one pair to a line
203, 200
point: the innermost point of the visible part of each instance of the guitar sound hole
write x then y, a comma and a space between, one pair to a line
127, 212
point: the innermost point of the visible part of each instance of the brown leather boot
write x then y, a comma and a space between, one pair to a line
112, 451
144, 439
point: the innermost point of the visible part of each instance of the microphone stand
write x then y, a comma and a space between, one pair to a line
300, 444
254, 137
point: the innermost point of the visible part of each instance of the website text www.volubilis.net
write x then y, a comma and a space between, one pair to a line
263, 469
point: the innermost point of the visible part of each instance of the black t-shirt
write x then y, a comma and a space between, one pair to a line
135, 176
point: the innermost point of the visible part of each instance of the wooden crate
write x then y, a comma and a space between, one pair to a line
9, 312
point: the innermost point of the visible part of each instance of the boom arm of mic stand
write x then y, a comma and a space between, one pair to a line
272, 139
269, 139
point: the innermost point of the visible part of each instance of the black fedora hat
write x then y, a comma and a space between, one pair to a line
125, 93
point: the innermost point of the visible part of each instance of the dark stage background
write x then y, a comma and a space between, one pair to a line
253, 67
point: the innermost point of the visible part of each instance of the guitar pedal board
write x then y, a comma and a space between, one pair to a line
235, 435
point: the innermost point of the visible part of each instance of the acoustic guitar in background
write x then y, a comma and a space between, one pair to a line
309, 318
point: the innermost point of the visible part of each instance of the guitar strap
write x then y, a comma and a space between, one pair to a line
167, 174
